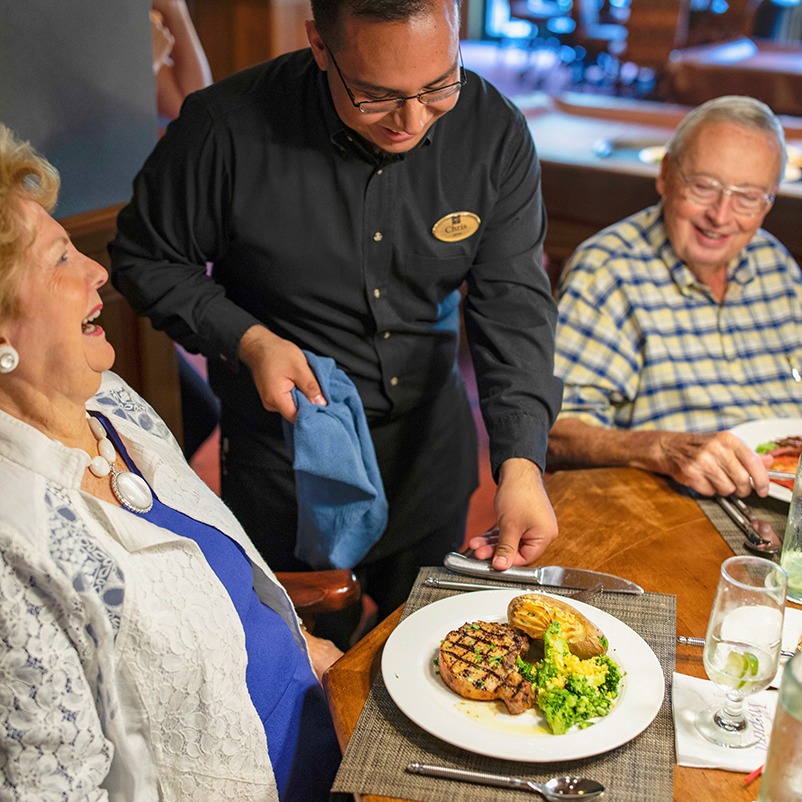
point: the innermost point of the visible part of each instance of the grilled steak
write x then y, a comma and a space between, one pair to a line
477, 661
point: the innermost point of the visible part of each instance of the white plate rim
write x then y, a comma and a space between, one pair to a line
411, 679
755, 432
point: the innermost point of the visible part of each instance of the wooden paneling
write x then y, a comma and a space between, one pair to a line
145, 358
240, 33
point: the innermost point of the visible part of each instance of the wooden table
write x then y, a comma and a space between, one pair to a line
621, 521
584, 192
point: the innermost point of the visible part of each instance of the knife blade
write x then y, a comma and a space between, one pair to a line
545, 575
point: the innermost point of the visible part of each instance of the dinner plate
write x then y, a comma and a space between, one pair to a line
755, 432
486, 728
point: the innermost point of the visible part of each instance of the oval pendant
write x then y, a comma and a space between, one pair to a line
131, 491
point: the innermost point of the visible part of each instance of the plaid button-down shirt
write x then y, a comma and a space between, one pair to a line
642, 344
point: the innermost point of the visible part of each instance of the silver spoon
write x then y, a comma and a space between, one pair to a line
555, 790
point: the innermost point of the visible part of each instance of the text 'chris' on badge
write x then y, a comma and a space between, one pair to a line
456, 226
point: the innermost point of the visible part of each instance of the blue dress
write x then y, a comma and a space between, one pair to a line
287, 696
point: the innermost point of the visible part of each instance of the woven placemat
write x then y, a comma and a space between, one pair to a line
770, 509
385, 740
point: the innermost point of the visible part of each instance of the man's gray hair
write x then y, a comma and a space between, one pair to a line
328, 13
735, 109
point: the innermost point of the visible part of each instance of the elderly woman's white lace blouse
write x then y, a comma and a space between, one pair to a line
122, 659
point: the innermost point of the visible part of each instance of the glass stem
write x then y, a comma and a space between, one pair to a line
731, 716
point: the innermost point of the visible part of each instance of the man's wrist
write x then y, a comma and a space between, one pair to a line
253, 342
516, 467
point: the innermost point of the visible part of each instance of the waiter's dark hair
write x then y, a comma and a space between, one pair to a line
328, 13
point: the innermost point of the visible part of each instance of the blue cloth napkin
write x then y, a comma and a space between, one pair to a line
342, 508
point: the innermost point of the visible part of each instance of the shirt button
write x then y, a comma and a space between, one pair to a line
378, 236
394, 381
379, 172
377, 293
386, 335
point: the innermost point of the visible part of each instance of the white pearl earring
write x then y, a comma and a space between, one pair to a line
9, 358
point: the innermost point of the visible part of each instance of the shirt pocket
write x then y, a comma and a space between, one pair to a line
432, 279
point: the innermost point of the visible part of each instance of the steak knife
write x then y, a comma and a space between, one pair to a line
547, 575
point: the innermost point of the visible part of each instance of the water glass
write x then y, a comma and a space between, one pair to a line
742, 645
782, 775
791, 556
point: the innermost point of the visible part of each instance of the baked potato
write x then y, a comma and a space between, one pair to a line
533, 612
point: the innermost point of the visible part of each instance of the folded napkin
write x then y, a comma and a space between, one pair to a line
342, 508
792, 635
688, 696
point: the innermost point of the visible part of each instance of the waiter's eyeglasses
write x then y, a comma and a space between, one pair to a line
707, 191
428, 97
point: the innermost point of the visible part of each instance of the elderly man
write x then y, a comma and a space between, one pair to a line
344, 194
686, 318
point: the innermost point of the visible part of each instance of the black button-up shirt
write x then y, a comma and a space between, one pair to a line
331, 246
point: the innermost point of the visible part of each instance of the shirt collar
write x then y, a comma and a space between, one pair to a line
740, 270
33, 450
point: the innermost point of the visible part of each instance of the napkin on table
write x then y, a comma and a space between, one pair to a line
792, 633
688, 696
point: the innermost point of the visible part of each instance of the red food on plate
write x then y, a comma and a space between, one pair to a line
785, 453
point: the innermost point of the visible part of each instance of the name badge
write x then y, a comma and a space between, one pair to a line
456, 226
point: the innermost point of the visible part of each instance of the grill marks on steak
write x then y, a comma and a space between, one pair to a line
477, 661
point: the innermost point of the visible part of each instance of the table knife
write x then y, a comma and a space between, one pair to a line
554, 576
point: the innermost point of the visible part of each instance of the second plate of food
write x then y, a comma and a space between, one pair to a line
410, 673
760, 432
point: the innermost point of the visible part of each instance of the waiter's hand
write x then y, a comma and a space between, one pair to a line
277, 366
525, 520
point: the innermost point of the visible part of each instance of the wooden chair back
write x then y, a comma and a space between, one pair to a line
654, 29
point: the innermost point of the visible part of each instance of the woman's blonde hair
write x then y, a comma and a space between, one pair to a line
24, 175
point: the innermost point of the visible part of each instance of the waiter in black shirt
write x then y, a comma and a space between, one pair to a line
344, 195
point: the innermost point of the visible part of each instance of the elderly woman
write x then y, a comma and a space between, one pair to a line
146, 650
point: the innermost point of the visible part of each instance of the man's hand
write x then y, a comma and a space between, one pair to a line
714, 463
323, 653
277, 366
526, 523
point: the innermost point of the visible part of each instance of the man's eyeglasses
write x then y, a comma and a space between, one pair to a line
428, 97
706, 191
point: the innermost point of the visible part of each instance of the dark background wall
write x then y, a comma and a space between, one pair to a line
76, 80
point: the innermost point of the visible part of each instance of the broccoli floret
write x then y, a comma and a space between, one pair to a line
526, 670
613, 678
559, 707
571, 690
